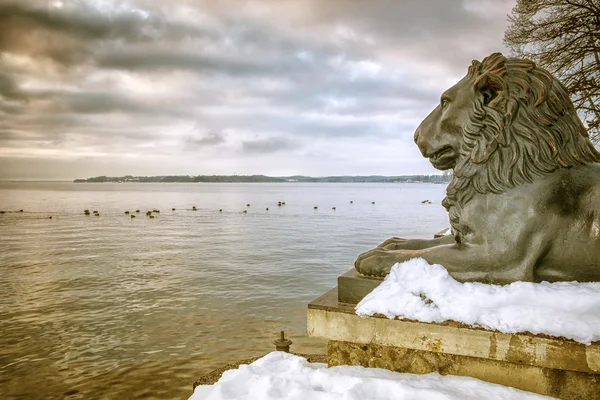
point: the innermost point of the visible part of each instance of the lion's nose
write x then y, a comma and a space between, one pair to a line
422, 142
417, 132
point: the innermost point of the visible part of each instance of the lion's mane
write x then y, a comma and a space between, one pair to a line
528, 130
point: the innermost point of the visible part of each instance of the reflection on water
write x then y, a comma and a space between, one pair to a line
117, 307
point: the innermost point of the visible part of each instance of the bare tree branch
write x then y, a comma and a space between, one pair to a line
563, 36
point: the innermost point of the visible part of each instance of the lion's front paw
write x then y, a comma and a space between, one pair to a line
396, 243
392, 242
376, 262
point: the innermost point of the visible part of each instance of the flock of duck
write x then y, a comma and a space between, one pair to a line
149, 214
152, 213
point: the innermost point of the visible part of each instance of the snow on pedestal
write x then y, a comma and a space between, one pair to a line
283, 376
419, 291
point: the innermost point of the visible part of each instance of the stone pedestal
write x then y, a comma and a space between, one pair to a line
353, 286
547, 365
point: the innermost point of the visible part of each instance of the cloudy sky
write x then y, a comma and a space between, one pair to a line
190, 87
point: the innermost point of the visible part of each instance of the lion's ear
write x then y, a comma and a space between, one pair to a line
490, 86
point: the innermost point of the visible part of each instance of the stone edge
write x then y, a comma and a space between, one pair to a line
328, 319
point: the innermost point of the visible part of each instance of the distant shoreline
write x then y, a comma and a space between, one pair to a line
267, 179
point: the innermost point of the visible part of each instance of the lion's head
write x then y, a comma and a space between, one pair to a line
507, 122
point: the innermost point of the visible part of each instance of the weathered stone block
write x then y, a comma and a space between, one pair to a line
353, 287
542, 364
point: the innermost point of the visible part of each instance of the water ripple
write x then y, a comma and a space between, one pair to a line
121, 307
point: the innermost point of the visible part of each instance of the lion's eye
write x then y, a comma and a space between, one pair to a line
444, 103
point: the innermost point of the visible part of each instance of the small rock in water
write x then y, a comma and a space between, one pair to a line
151, 216
220, 210
126, 212
172, 209
315, 207
372, 202
267, 208
137, 211
50, 217
248, 205
20, 210
333, 208
132, 216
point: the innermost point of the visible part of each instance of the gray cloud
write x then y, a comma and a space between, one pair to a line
266, 146
440, 31
63, 34
102, 102
9, 89
77, 18
153, 58
10, 109
211, 138
120, 80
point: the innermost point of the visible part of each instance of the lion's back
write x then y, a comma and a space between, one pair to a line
571, 202
573, 191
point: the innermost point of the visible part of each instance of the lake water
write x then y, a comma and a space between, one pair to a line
114, 307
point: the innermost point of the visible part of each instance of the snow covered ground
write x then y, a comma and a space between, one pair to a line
419, 291
283, 376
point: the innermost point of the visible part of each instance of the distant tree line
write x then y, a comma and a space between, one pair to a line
262, 178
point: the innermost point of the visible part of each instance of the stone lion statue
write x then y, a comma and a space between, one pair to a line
524, 200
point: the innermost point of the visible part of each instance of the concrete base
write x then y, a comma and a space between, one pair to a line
541, 364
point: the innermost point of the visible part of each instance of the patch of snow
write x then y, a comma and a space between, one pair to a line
283, 376
420, 291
